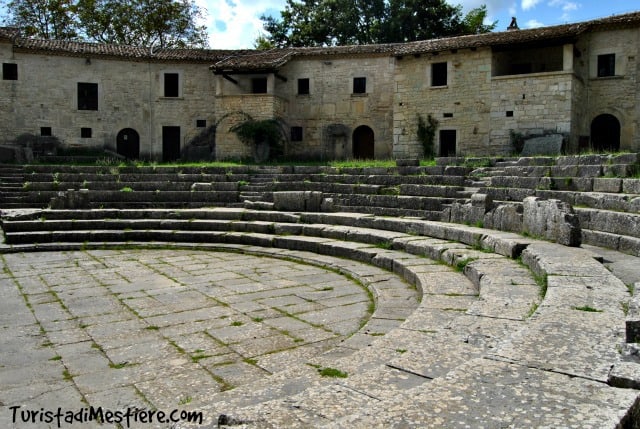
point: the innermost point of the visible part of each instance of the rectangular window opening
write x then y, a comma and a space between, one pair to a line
509, 113
303, 86
606, 65
201, 123
296, 134
259, 85
171, 85
45, 131
87, 96
9, 71
439, 74
448, 115
85, 133
359, 85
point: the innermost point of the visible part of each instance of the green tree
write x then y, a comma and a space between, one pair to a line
343, 22
161, 23
47, 19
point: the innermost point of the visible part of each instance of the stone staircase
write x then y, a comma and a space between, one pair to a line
12, 190
260, 185
507, 328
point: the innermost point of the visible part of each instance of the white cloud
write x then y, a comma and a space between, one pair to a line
529, 4
241, 19
567, 6
533, 23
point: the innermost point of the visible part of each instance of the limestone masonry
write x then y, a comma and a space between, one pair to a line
485, 94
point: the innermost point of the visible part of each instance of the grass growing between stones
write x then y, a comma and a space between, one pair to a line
587, 309
329, 372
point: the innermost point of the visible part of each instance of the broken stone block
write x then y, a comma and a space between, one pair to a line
551, 220
546, 145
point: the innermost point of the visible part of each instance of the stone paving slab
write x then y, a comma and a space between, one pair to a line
66, 329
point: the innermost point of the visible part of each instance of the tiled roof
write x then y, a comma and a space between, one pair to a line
252, 60
8, 33
73, 48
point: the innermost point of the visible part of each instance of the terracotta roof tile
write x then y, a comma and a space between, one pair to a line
252, 60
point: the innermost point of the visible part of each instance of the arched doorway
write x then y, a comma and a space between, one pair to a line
363, 143
128, 143
605, 133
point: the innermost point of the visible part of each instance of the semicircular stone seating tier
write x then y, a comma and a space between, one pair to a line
471, 327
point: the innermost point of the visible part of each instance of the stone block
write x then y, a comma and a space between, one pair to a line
552, 220
625, 375
631, 186
630, 245
310, 201
582, 160
632, 322
505, 217
625, 158
620, 170
607, 185
546, 145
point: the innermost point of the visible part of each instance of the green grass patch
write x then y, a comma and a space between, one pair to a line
237, 323
55, 358
587, 309
462, 264
126, 189
332, 372
119, 365
386, 245
199, 356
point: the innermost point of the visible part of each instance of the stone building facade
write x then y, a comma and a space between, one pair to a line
482, 92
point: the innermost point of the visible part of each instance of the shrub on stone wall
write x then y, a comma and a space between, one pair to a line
262, 135
427, 135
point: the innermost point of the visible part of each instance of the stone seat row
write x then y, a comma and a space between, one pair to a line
476, 350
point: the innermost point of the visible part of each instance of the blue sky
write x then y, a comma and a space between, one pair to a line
235, 24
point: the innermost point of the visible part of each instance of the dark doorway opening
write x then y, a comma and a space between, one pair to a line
128, 143
363, 143
605, 133
170, 144
447, 142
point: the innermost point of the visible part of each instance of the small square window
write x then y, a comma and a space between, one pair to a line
303, 86
296, 134
509, 113
45, 131
171, 85
85, 133
9, 71
201, 123
259, 85
439, 74
606, 65
359, 85
87, 96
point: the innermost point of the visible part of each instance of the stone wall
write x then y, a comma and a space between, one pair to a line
462, 105
331, 104
477, 106
616, 95
130, 95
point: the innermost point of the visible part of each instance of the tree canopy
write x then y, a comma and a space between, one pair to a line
162, 23
343, 22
